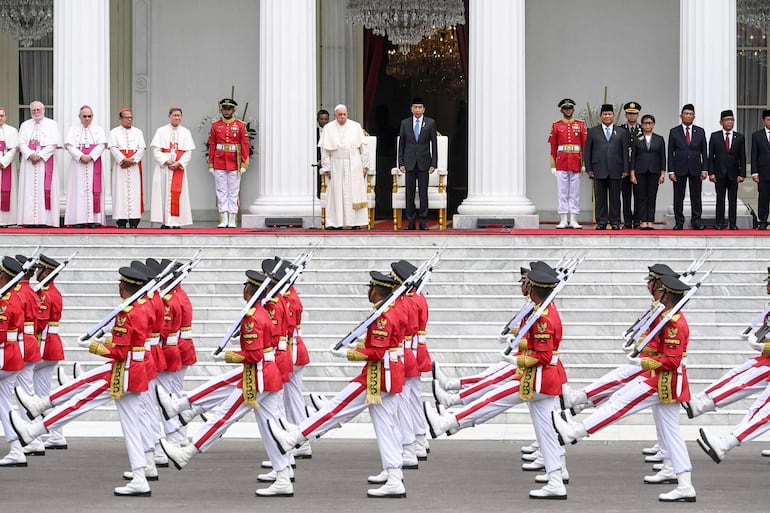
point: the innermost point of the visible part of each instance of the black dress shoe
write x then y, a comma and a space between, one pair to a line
423, 226
719, 227
762, 226
164, 227
627, 226
636, 225
410, 227
678, 227
698, 227
601, 226
333, 228
616, 227
733, 227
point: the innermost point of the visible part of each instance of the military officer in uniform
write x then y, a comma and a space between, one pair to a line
628, 189
229, 149
567, 139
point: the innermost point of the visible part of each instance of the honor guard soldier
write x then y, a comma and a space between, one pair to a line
567, 139
12, 362
228, 159
627, 189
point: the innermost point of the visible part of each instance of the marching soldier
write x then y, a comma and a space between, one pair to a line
11, 327
627, 189
567, 139
229, 148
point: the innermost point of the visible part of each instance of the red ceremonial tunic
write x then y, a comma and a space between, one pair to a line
48, 318
383, 339
169, 333
228, 145
409, 312
567, 140
155, 302
303, 358
666, 368
277, 311
257, 348
30, 302
424, 361
148, 310
539, 357
186, 345
126, 351
11, 326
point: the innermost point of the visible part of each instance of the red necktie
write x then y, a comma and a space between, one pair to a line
727, 141
687, 135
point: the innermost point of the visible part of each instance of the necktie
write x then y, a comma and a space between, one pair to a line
607, 133
648, 142
416, 129
727, 141
687, 135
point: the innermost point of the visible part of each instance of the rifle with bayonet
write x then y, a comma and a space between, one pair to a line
26, 266
407, 284
48, 279
182, 272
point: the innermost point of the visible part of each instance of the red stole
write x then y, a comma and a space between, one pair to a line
177, 178
97, 187
128, 154
34, 145
5, 183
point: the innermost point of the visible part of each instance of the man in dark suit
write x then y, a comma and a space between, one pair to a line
727, 167
606, 160
687, 162
417, 157
760, 168
322, 118
627, 188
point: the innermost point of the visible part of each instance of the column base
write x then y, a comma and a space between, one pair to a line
469, 222
259, 221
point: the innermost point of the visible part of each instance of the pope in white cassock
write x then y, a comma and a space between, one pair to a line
39, 137
172, 148
345, 160
127, 147
85, 192
9, 143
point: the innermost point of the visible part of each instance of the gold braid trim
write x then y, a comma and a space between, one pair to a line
117, 378
360, 205
665, 391
98, 348
355, 356
249, 383
373, 382
522, 344
524, 362
650, 364
766, 350
233, 357
527, 383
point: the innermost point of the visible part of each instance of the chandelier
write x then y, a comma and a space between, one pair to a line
754, 12
26, 20
433, 64
405, 22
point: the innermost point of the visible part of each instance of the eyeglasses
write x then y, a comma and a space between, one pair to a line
86, 116
647, 123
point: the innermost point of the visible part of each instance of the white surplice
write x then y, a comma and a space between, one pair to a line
10, 137
81, 202
44, 138
126, 183
166, 138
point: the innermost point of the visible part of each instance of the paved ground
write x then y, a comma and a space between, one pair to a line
465, 476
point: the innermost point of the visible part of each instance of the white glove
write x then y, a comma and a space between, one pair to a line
553, 171
634, 360
745, 336
84, 343
243, 170
211, 170
505, 339
342, 352
218, 357
511, 358
627, 348
756, 345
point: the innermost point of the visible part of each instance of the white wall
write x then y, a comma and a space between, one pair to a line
196, 52
574, 50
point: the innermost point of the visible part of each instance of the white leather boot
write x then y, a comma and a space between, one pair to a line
231, 222
529, 449
421, 447
382, 477
568, 430
187, 416
684, 492
34, 448
223, 219
409, 457
651, 450
56, 440
543, 478
563, 222
445, 381
34, 405
170, 406
179, 456
392, 489
573, 222
554, 489
138, 486
286, 440
282, 486
304, 451
150, 470
698, 405
15, 457
438, 423
717, 448
664, 476
271, 476
448, 399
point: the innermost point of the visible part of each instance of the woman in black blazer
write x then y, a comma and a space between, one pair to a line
648, 170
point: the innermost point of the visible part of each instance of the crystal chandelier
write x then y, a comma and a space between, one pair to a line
405, 22
26, 20
754, 12
433, 64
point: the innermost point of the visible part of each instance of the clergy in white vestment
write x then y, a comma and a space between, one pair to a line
172, 148
344, 160
85, 143
9, 145
38, 203
127, 147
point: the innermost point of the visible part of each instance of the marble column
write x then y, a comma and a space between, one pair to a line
287, 106
337, 59
81, 67
707, 71
497, 128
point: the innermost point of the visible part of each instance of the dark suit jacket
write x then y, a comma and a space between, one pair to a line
686, 160
607, 159
651, 161
760, 155
727, 165
422, 153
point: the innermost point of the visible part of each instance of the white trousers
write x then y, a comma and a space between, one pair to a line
7, 382
66, 391
568, 186
216, 390
228, 187
348, 403
25, 378
741, 381
502, 374
413, 395
170, 381
293, 401
41, 377
540, 409
612, 381
755, 423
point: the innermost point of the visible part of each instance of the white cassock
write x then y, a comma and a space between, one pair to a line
344, 155
38, 183
170, 197
127, 195
85, 191
9, 147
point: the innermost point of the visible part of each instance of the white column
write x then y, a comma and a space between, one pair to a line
287, 106
81, 67
707, 71
496, 116
337, 58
